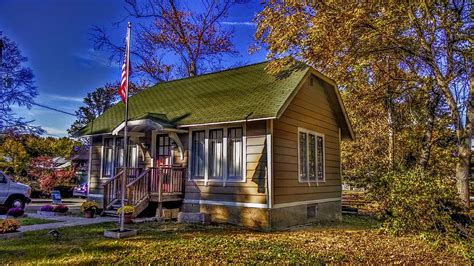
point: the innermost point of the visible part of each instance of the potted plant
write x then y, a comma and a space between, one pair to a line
89, 208
61, 208
9, 229
15, 212
127, 213
47, 208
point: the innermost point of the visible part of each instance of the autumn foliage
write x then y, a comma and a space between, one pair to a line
48, 177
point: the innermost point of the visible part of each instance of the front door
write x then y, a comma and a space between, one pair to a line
164, 151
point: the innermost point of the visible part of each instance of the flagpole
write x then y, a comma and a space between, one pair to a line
125, 134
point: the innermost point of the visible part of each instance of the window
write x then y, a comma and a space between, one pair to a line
198, 154
107, 157
113, 155
119, 152
310, 156
303, 152
320, 148
216, 153
224, 148
165, 150
234, 153
3, 179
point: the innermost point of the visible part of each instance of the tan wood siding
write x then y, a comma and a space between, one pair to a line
309, 109
253, 189
94, 175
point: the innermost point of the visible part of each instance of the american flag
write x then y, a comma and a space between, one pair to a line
123, 90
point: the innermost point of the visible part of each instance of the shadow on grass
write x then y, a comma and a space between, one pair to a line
166, 243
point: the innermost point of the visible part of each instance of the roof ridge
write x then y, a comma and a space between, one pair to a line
207, 74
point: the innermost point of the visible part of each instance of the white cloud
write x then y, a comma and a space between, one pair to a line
96, 56
239, 23
62, 98
57, 132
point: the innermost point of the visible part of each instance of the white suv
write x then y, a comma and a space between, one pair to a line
13, 194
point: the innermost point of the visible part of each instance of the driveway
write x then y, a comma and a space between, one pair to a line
74, 204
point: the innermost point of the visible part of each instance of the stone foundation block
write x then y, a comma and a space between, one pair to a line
194, 218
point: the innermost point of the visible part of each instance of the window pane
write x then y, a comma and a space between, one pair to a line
133, 156
107, 163
234, 153
312, 157
197, 153
320, 158
303, 153
216, 153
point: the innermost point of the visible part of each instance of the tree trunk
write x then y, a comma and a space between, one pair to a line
463, 135
391, 131
463, 171
463, 167
428, 137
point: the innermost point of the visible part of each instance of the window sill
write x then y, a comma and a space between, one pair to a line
312, 182
210, 181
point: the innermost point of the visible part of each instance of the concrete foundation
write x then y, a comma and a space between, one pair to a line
274, 219
297, 215
193, 218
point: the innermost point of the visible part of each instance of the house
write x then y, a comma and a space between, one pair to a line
242, 145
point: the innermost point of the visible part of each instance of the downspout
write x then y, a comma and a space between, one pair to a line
269, 170
89, 167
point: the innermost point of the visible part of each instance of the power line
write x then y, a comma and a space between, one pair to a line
52, 108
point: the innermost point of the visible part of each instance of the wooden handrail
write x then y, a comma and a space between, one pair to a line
144, 173
119, 174
139, 189
162, 180
112, 189
167, 180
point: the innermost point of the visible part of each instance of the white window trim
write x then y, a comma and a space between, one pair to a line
102, 159
317, 134
206, 130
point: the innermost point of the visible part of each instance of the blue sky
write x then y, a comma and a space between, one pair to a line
55, 37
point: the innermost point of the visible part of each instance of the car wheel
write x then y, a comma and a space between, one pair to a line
18, 203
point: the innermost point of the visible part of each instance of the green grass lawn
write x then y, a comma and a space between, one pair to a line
32, 221
356, 239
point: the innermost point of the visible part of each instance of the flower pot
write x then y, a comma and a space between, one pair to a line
127, 218
89, 214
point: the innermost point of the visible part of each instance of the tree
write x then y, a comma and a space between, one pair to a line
97, 102
13, 156
196, 38
48, 177
16, 88
427, 45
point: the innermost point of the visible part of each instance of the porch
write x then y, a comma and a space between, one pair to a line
144, 185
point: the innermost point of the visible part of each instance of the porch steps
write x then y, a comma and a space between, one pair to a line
112, 210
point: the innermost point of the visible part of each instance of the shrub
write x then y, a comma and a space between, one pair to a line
15, 212
47, 208
89, 206
127, 209
8, 226
415, 200
61, 208
3, 210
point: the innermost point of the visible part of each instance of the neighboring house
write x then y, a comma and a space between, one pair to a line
242, 145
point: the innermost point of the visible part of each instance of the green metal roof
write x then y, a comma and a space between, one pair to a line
236, 94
